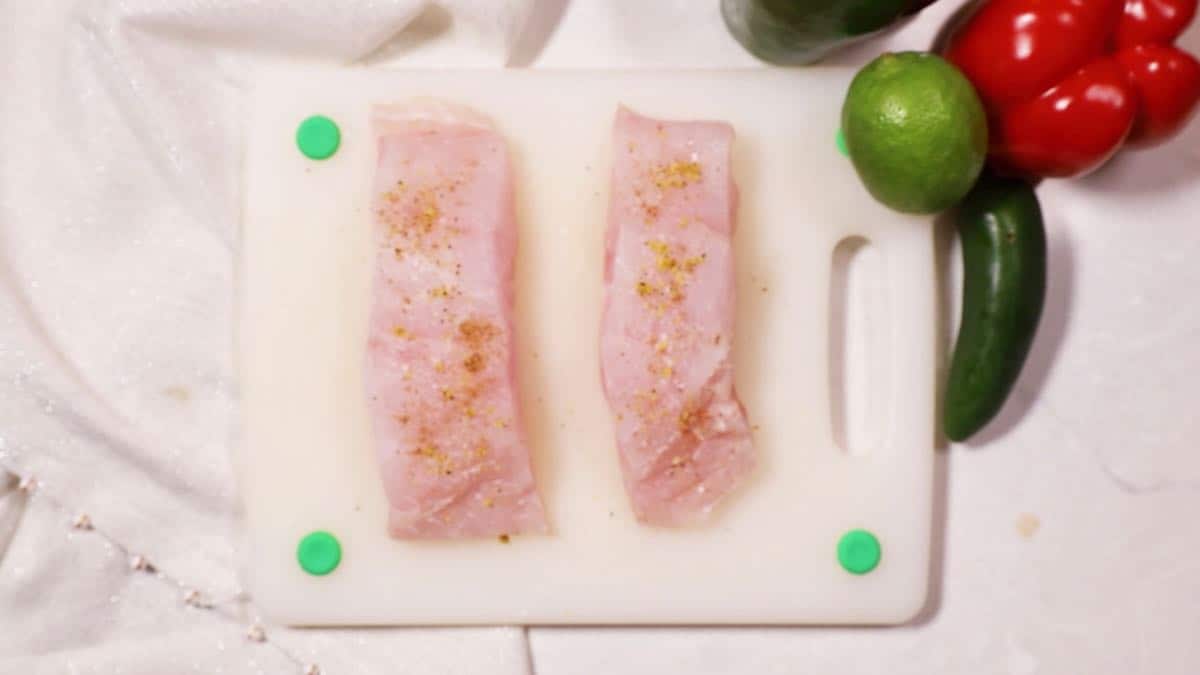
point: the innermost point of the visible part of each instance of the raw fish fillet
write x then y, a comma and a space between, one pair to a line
667, 329
440, 367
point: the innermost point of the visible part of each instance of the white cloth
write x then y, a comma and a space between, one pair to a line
119, 187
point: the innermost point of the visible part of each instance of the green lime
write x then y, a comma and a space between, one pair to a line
916, 131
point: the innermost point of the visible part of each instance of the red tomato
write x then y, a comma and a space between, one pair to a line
1066, 82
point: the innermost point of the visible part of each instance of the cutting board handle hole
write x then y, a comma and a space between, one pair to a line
858, 368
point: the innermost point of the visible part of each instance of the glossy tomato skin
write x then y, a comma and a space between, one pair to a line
1072, 128
1013, 52
1153, 21
1167, 83
1067, 82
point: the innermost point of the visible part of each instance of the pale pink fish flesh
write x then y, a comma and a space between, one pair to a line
667, 332
440, 371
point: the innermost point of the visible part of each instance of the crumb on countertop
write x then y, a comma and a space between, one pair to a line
1027, 525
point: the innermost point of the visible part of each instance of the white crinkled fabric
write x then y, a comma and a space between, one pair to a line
120, 137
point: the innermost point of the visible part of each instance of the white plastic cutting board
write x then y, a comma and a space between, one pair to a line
769, 555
